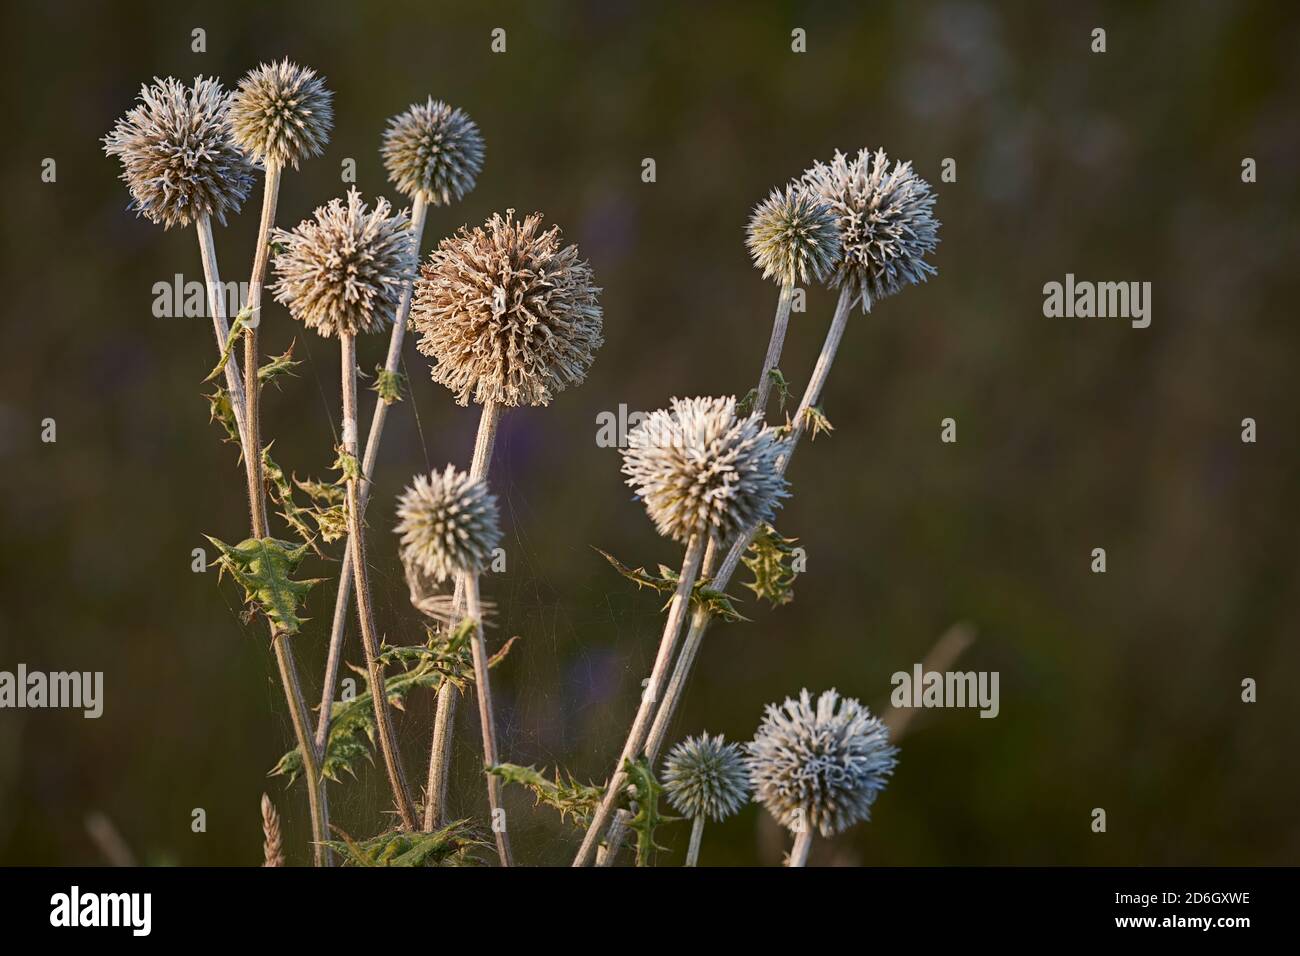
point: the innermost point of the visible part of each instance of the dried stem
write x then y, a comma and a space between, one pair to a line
697, 834
641, 724
252, 363
802, 844
444, 721
474, 611
775, 346
365, 616
419, 210
220, 325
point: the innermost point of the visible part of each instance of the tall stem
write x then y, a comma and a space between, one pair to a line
220, 325
697, 834
365, 617
444, 720
342, 597
802, 844
775, 346
474, 610
252, 381
641, 724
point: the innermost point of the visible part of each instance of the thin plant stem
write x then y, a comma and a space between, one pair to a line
284, 655
252, 363
697, 834
375, 670
802, 844
342, 597
775, 346
474, 611
444, 719
649, 697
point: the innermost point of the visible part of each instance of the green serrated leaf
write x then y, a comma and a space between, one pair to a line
277, 365
769, 559
388, 385
453, 845
782, 386
574, 801
221, 410
745, 407
227, 349
717, 603
263, 566
644, 790
281, 491
348, 465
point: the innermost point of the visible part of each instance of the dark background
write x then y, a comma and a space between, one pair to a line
1119, 691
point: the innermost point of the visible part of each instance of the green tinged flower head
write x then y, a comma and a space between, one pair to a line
178, 159
886, 220
343, 271
449, 524
282, 114
434, 149
705, 776
793, 236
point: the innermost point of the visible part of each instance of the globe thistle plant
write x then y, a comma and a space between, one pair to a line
341, 273
508, 313
702, 470
433, 149
178, 159
819, 767
705, 778
793, 237
886, 221
448, 524
282, 114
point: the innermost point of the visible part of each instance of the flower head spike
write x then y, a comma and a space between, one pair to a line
822, 766
177, 155
433, 149
342, 272
282, 114
793, 236
508, 313
448, 523
700, 469
705, 776
886, 220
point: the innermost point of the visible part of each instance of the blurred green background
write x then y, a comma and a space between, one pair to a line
1119, 691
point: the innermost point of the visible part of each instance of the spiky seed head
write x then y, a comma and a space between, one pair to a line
823, 766
508, 313
886, 220
272, 846
706, 776
342, 271
793, 236
449, 524
282, 113
434, 149
177, 156
702, 470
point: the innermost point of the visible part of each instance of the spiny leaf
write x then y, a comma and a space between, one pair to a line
236, 329
745, 407
277, 365
346, 463
782, 386
388, 385
644, 790
281, 491
450, 846
816, 423
717, 603
262, 567
769, 553
320, 492
573, 800
221, 410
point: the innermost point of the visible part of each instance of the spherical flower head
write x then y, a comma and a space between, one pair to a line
702, 470
342, 272
820, 767
886, 220
705, 776
282, 114
177, 155
449, 524
793, 236
507, 312
433, 149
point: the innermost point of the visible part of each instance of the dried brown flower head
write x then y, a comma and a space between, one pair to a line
507, 312
282, 113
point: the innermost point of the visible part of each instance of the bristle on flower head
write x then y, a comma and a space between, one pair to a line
342, 272
821, 767
449, 524
508, 313
705, 776
177, 155
886, 220
282, 114
793, 236
434, 149
702, 470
